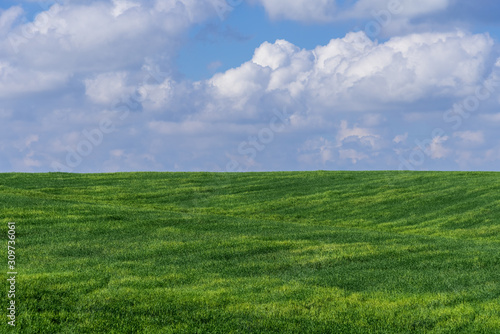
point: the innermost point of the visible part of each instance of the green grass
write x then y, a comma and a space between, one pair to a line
294, 252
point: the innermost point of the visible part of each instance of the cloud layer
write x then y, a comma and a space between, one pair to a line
94, 87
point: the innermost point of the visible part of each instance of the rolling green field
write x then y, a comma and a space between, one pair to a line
291, 252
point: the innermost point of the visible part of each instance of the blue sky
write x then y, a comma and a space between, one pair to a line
256, 85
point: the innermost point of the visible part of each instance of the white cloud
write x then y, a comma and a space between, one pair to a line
348, 74
363, 135
107, 88
241, 83
123, 33
470, 137
437, 149
15, 81
274, 55
156, 96
121, 6
357, 72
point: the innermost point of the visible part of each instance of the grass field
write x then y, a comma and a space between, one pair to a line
294, 252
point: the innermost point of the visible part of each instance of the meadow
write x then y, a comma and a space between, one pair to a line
287, 252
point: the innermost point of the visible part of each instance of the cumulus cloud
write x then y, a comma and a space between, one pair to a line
241, 82
437, 149
100, 36
76, 59
350, 74
107, 88
358, 72
346, 132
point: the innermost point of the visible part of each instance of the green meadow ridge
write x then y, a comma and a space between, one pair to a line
290, 252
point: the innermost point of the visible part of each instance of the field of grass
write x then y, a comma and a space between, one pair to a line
292, 252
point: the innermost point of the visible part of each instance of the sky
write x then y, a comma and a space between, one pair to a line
255, 85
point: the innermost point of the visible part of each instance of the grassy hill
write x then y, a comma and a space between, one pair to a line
293, 252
